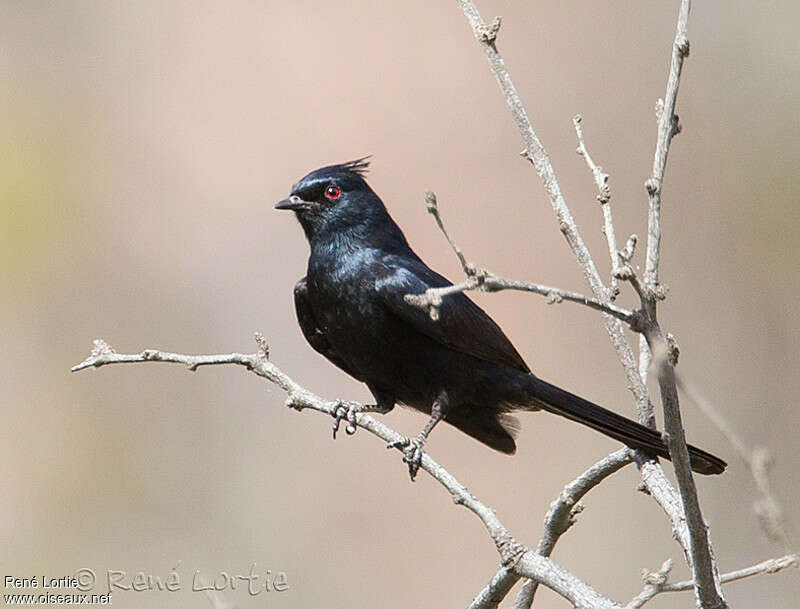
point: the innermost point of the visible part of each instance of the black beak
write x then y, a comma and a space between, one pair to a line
294, 203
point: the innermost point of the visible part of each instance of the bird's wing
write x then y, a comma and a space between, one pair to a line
314, 334
462, 325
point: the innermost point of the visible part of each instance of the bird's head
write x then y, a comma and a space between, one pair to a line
334, 199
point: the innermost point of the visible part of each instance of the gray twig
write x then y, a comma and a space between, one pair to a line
668, 126
604, 197
656, 583
768, 567
433, 209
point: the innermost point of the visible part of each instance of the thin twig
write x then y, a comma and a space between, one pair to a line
604, 197
668, 126
433, 209
431, 299
768, 567
525, 562
656, 583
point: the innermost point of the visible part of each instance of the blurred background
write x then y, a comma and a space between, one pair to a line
144, 146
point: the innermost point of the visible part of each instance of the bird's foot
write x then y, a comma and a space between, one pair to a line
346, 411
412, 453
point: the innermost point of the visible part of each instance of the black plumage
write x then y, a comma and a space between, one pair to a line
460, 368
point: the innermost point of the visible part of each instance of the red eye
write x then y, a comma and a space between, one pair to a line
333, 192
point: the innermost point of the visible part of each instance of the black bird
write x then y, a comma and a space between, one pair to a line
460, 368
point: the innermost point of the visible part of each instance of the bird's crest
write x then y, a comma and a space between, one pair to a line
360, 167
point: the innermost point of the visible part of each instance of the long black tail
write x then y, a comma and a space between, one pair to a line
556, 400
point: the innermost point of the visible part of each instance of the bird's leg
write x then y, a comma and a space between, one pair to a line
413, 448
349, 410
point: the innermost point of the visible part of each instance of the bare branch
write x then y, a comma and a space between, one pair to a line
514, 555
708, 588
668, 126
534, 151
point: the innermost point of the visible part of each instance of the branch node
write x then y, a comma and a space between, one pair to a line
573, 513
676, 125
682, 44
101, 347
430, 202
488, 33
657, 578
263, 346
294, 402
510, 549
630, 246
639, 321
673, 351
652, 186
659, 291
659, 108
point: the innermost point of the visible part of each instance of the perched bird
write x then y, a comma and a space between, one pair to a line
460, 368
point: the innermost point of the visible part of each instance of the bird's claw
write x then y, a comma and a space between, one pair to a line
412, 453
344, 411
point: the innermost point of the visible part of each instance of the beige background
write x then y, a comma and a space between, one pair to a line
144, 145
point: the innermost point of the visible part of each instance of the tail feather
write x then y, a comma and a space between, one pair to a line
558, 401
